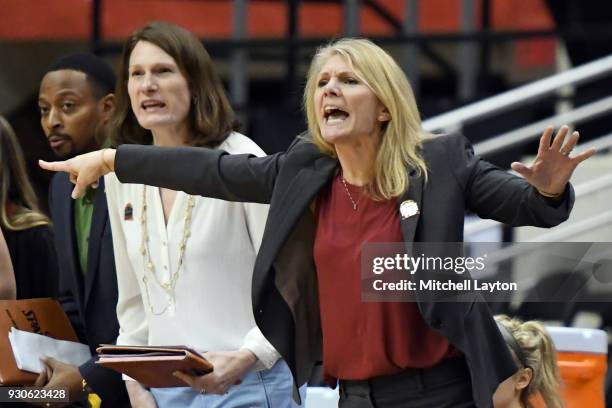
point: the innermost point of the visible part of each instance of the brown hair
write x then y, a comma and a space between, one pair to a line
15, 186
540, 355
211, 118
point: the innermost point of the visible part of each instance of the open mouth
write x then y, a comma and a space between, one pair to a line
150, 105
333, 114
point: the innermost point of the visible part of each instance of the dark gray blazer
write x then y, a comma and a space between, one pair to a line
89, 299
285, 294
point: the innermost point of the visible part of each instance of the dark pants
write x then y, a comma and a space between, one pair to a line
445, 385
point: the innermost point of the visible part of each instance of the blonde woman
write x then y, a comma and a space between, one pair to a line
365, 173
26, 229
535, 355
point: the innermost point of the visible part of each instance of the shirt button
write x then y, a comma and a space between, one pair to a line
164, 243
165, 267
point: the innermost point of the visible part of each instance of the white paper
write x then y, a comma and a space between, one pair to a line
29, 347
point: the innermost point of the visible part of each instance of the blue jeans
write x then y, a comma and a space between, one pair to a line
271, 388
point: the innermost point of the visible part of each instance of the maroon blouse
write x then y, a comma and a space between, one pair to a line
364, 339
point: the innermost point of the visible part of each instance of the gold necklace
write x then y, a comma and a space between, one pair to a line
349, 193
170, 284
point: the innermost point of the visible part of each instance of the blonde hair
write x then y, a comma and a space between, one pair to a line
15, 186
540, 355
401, 137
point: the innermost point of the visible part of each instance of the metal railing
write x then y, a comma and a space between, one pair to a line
456, 119
534, 130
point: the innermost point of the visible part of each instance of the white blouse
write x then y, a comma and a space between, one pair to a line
210, 308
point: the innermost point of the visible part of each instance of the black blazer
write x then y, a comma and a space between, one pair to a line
90, 299
285, 295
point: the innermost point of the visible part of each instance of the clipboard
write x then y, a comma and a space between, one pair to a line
43, 316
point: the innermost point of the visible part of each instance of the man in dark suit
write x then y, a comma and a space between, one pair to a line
76, 100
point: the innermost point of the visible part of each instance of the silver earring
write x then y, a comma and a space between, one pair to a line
195, 100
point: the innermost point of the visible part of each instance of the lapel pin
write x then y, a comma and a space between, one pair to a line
408, 209
128, 213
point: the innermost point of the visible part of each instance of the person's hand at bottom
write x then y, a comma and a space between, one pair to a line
229, 368
56, 374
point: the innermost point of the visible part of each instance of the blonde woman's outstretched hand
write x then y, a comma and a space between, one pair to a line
553, 166
85, 170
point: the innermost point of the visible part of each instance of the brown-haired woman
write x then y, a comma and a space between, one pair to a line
26, 229
184, 263
534, 353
